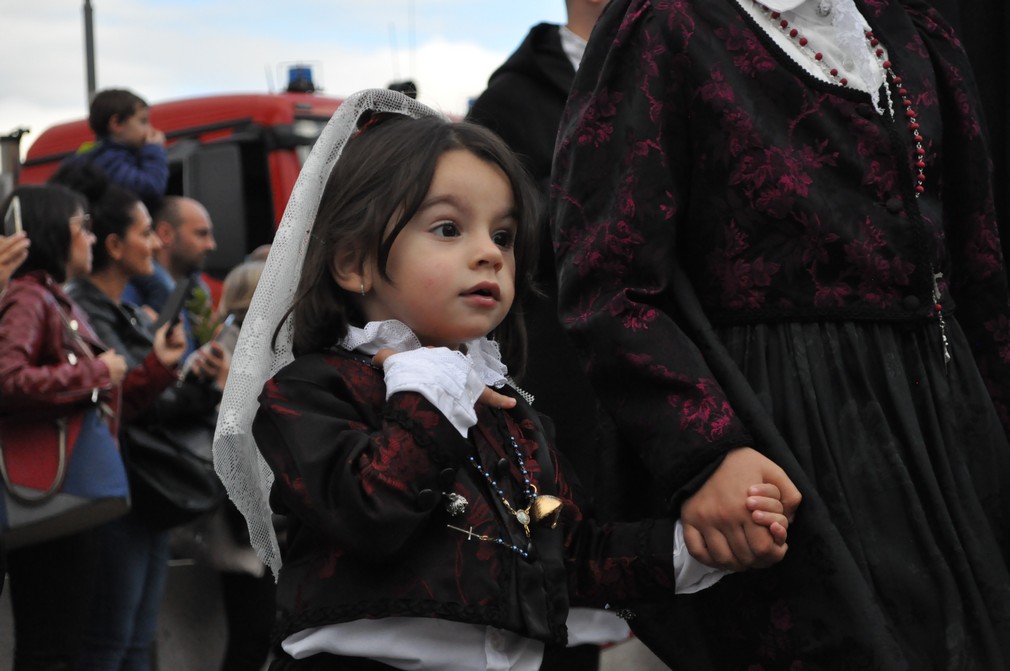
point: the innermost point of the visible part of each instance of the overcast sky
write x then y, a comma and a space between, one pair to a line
169, 49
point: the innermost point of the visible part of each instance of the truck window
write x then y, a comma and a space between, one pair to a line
231, 179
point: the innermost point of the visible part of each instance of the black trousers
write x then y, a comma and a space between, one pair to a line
50, 585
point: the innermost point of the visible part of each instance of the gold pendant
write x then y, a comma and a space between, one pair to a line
547, 510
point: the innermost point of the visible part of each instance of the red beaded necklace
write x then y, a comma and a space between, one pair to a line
881, 55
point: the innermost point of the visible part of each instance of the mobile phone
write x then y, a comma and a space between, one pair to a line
12, 218
173, 306
227, 337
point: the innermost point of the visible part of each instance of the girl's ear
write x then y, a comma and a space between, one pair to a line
350, 273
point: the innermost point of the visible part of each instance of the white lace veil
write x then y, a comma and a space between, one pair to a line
236, 458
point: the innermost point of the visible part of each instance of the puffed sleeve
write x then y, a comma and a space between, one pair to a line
32, 376
621, 183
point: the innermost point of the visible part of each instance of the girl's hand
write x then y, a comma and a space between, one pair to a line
764, 502
381, 356
719, 529
493, 399
169, 345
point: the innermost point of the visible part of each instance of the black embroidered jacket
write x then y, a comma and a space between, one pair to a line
361, 481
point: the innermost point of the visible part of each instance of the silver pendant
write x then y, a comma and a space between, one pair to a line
456, 504
824, 7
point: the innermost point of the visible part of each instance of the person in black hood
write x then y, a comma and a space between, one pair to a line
525, 96
523, 103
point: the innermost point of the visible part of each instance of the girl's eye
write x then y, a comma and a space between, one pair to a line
446, 229
504, 238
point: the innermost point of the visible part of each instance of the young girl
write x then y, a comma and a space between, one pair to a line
431, 525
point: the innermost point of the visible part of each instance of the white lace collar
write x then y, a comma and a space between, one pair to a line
782, 5
484, 354
840, 34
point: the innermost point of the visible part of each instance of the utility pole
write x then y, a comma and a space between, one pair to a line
89, 49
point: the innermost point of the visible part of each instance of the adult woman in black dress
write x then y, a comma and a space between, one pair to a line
777, 245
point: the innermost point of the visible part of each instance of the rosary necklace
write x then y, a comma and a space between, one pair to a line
540, 508
909, 113
873, 44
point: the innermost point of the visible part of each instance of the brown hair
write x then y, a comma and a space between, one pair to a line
238, 288
112, 103
46, 210
384, 172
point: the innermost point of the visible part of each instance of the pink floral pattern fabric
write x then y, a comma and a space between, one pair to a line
700, 171
691, 137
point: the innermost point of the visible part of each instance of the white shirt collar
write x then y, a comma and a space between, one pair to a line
484, 354
573, 46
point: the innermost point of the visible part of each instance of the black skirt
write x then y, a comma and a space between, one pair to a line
900, 554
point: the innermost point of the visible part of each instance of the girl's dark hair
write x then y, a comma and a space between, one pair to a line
111, 206
45, 215
385, 171
112, 103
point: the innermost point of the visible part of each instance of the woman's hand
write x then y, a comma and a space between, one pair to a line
211, 362
13, 252
169, 345
116, 365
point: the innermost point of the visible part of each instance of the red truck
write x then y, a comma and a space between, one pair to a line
239, 155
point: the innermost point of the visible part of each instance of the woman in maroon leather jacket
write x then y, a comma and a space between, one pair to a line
45, 371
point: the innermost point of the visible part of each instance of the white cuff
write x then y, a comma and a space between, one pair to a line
691, 575
443, 376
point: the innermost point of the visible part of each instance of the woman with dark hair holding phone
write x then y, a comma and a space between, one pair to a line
123, 621
50, 369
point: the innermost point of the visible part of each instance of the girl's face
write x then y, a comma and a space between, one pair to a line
139, 243
453, 265
81, 239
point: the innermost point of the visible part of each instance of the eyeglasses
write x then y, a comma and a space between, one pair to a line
84, 222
